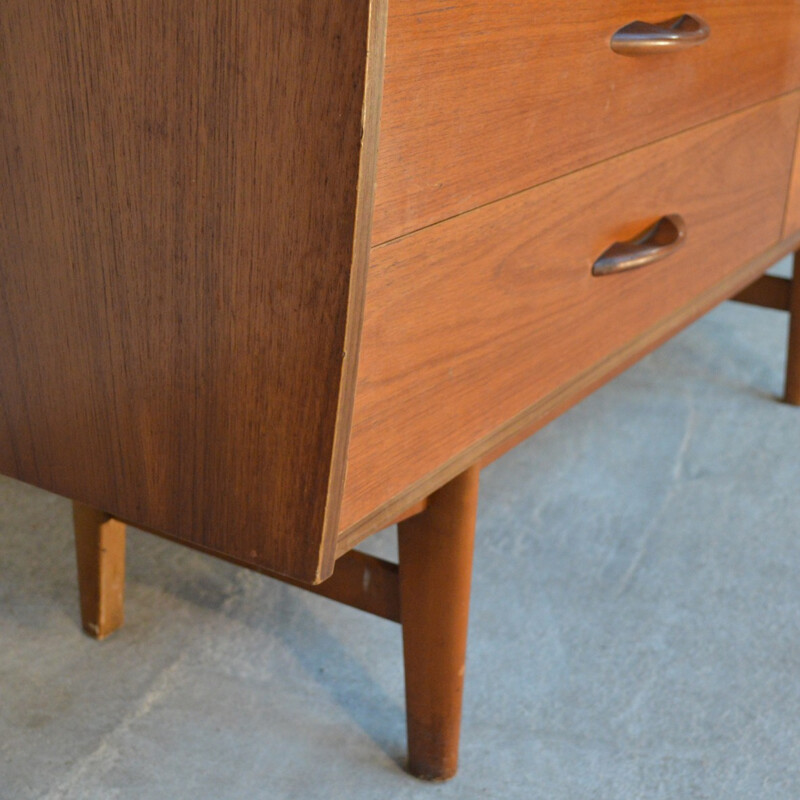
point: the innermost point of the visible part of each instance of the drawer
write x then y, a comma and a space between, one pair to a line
471, 323
485, 99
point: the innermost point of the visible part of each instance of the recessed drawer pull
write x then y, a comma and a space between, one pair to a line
644, 38
659, 241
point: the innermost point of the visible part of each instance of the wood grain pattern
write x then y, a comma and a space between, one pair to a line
484, 99
183, 185
540, 414
472, 322
365, 203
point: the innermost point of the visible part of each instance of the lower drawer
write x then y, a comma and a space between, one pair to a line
471, 322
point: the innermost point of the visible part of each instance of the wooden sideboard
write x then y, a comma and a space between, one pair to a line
274, 276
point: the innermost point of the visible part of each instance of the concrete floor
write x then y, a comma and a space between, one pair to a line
635, 624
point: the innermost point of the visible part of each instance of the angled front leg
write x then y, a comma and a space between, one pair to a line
793, 358
435, 575
100, 551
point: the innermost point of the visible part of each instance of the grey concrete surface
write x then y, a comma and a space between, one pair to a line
635, 625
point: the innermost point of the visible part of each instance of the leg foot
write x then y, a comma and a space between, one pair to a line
100, 551
793, 359
435, 576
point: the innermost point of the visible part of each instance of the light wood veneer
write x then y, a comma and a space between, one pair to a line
470, 322
484, 99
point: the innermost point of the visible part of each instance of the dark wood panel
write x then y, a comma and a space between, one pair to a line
472, 322
484, 99
178, 257
769, 291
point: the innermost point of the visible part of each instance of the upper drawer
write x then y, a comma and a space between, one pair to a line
489, 317
484, 99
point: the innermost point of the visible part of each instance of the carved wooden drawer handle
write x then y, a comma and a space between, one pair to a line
644, 38
654, 244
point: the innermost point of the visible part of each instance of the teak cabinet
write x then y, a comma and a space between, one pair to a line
276, 275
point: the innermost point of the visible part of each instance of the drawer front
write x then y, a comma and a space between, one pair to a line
484, 99
472, 322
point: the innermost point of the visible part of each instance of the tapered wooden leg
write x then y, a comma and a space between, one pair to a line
100, 550
793, 358
435, 575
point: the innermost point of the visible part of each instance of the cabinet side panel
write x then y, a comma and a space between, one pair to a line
178, 194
